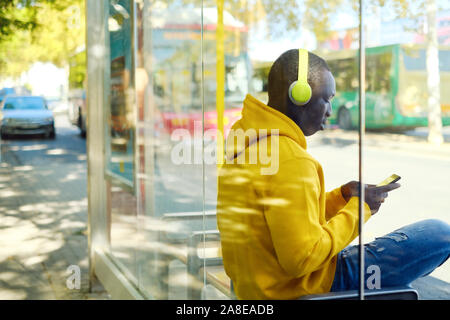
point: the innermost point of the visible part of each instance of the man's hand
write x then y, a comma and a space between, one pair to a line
374, 196
349, 190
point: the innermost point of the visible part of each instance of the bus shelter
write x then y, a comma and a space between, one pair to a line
166, 80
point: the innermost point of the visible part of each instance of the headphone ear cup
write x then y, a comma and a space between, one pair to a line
300, 93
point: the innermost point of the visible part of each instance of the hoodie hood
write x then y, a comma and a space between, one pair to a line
259, 116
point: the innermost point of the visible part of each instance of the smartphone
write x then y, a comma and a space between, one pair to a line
391, 179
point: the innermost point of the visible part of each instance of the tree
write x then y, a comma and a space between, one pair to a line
15, 16
50, 31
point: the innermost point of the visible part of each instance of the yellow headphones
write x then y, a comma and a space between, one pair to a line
300, 91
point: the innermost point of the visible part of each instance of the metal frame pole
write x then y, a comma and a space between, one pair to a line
362, 125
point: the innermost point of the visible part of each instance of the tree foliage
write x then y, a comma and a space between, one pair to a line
16, 15
40, 30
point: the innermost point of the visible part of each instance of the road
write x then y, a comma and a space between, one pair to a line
68, 147
43, 198
43, 215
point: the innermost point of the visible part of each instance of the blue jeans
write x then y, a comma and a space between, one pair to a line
396, 259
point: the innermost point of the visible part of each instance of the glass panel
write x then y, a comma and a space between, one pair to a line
409, 110
170, 172
123, 225
271, 212
186, 218
120, 116
228, 65
120, 137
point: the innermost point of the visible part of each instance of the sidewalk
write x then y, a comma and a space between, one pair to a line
413, 143
43, 214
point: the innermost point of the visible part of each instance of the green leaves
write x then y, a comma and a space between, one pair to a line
15, 16
39, 30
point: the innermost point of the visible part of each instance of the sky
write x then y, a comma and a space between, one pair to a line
46, 79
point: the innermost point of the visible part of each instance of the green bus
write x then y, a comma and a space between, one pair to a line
396, 87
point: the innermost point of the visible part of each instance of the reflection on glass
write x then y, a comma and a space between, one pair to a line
119, 138
122, 220
180, 108
190, 78
120, 122
170, 182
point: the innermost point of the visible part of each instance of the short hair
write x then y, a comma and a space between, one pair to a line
284, 71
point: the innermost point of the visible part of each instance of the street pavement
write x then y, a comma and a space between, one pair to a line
43, 215
43, 204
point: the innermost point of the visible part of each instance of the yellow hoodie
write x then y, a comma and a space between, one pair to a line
280, 231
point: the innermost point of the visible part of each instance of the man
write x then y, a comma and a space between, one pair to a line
282, 235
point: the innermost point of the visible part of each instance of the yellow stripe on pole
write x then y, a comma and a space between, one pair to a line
220, 79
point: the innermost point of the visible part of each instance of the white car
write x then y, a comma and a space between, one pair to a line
26, 115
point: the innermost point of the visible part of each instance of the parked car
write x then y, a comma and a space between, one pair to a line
77, 109
26, 115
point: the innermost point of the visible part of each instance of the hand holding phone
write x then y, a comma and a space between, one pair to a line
375, 195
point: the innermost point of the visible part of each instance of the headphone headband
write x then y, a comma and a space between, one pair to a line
302, 65
300, 91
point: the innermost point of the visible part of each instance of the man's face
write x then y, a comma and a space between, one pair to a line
318, 110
